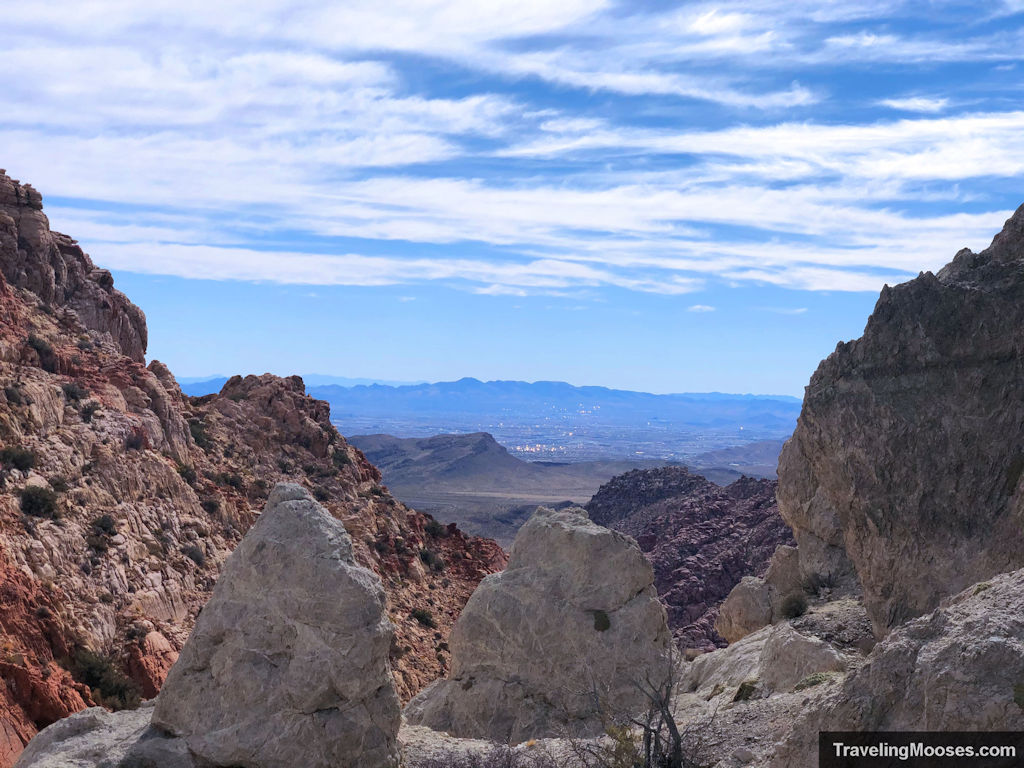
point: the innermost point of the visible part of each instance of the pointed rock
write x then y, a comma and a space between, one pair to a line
288, 662
574, 614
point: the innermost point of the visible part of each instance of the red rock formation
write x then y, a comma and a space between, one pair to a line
701, 538
144, 491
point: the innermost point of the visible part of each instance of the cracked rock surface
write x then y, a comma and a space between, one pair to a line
288, 662
574, 613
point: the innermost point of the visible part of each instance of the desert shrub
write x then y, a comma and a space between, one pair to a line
341, 459
794, 605
188, 474
14, 396
59, 484
43, 348
84, 344
104, 524
436, 529
817, 583
194, 553
424, 617
39, 502
197, 429
18, 457
232, 480
814, 679
135, 441
433, 560
602, 622
89, 410
109, 685
320, 493
74, 392
211, 506
746, 690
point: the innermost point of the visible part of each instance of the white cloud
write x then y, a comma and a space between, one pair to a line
700, 308
916, 104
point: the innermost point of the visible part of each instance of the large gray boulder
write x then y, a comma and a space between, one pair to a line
907, 458
288, 661
557, 640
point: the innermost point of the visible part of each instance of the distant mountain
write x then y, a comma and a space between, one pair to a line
562, 421
474, 481
197, 386
759, 459
701, 538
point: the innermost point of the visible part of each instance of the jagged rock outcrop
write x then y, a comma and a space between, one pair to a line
55, 268
960, 668
142, 493
288, 662
756, 602
701, 539
574, 614
909, 438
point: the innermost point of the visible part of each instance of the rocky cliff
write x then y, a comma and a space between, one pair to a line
701, 538
907, 461
120, 498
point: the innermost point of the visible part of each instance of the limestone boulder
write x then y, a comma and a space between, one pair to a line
555, 641
288, 661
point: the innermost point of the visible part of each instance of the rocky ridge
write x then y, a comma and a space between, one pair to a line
701, 539
120, 498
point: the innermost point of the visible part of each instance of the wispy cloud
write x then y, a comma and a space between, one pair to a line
700, 308
571, 146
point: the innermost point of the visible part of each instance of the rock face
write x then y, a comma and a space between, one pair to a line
152, 490
288, 662
701, 539
757, 602
575, 613
960, 668
909, 438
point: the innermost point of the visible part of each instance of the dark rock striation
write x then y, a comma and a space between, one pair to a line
701, 538
907, 459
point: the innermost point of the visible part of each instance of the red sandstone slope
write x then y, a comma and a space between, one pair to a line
701, 538
120, 497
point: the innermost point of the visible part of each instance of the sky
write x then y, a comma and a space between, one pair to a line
659, 196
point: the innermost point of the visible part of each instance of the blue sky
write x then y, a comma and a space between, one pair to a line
658, 196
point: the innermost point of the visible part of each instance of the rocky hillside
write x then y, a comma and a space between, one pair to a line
120, 497
701, 538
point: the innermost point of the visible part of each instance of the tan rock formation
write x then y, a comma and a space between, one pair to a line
574, 614
288, 662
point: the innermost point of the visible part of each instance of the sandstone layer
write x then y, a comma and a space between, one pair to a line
701, 539
556, 641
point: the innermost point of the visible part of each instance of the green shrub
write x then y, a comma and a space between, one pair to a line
43, 348
39, 502
74, 391
194, 553
436, 529
746, 690
794, 605
188, 474
135, 441
814, 679
105, 524
602, 622
432, 559
109, 685
320, 493
198, 431
424, 617
341, 459
89, 410
18, 457
14, 396
211, 506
